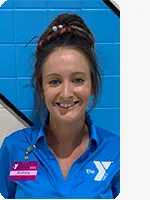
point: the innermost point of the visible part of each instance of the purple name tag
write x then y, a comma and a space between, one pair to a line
23, 171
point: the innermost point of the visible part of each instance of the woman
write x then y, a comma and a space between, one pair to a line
68, 157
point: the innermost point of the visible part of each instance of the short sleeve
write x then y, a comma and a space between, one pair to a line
7, 188
116, 185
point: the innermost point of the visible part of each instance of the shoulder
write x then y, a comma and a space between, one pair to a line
108, 147
106, 135
108, 139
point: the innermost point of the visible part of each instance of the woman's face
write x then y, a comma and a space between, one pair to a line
66, 84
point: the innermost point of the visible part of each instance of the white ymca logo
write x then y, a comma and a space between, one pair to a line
102, 167
15, 166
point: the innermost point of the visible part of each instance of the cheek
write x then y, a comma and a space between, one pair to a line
85, 93
87, 90
49, 95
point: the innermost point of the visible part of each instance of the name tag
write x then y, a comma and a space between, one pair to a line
23, 171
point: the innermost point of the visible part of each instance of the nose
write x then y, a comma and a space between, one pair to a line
66, 92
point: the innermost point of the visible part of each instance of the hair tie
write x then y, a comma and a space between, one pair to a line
41, 43
66, 29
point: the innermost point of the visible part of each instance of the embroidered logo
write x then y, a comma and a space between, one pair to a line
102, 167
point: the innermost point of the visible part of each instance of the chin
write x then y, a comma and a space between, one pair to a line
68, 115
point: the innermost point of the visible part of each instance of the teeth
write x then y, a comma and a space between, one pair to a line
66, 105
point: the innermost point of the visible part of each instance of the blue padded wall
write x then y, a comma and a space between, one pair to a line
20, 20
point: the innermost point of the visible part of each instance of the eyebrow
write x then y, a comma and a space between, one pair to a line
74, 73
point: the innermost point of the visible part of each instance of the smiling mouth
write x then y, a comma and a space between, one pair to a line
67, 106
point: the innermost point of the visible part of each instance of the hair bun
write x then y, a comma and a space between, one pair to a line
71, 23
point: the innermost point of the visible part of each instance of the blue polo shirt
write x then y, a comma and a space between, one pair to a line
95, 175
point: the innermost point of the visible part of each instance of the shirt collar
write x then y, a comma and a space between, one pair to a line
41, 130
93, 143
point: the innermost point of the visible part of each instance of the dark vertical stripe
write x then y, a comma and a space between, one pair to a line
112, 7
15, 110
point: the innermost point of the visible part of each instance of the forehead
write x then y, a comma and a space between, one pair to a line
65, 60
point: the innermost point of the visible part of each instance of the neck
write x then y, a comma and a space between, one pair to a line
67, 136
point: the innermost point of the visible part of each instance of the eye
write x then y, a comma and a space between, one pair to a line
54, 82
78, 80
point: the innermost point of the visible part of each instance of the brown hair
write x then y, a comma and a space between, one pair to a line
73, 34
